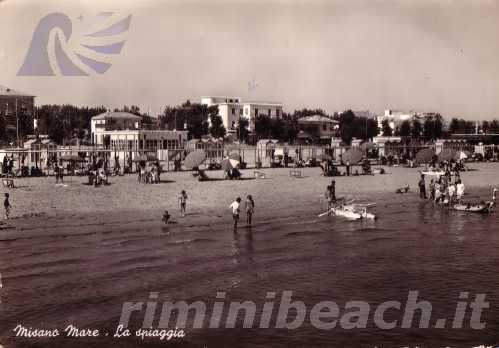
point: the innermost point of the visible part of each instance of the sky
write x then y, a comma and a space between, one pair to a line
440, 56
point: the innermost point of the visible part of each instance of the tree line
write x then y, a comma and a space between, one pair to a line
65, 122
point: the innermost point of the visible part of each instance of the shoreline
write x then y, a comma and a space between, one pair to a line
39, 203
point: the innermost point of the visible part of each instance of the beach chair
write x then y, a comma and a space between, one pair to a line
8, 182
295, 173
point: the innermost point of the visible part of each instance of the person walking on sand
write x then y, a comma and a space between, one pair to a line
235, 212
7, 206
250, 209
422, 188
183, 202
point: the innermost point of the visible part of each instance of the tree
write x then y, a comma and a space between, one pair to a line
242, 129
217, 129
263, 124
347, 125
56, 130
485, 126
372, 129
405, 128
278, 129
386, 129
3, 135
494, 126
453, 126
428, 129
438, 125
416, 128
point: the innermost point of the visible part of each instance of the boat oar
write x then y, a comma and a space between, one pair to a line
324, 214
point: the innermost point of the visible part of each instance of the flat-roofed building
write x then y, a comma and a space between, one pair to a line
13, 104
123, 131
231, 109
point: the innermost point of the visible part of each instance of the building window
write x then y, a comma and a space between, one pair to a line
240, 111
269, 112
233, 111
277, 113
245, 111
256, 112
324, 127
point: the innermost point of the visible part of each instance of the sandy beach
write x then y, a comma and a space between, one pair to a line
277, 194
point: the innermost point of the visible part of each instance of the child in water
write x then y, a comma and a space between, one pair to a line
167, 217
183, 202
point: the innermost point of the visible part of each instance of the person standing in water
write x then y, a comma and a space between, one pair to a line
183, 202
235, 212
332, 191
432, 190
250, 209
422, 188
459, 191
7, 206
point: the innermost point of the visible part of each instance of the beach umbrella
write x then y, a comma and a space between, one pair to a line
425, 155
353, 156
446, 155
234, 156
461, 155
194, 159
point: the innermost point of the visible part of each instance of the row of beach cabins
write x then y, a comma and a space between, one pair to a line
39, 156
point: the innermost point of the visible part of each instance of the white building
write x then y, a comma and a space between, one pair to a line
122, 131
231, 109
396, 117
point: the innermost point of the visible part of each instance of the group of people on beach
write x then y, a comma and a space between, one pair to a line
151, 176
234, 206
236, 210
443, 189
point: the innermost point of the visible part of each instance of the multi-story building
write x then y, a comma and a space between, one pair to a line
396, 117
231, 109
13, 104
